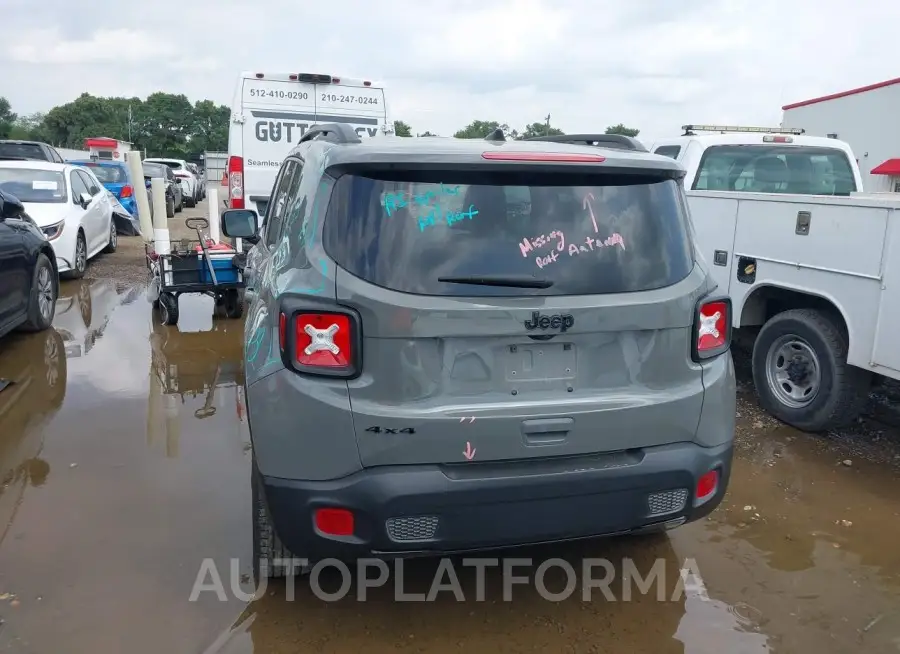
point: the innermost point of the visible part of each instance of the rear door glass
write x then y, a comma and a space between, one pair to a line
583, 235
804, 170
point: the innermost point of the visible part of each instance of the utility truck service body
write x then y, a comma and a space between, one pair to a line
806, 257
271, 111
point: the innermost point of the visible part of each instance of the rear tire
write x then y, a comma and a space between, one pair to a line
267, 547
804, 351
170, 208
44, 291
180, 206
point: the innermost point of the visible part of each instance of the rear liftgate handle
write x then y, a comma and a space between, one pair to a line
546, 431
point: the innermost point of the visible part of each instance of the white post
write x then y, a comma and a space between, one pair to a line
133, 160
161, 241
212, 199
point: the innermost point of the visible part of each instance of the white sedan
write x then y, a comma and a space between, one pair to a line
69, 205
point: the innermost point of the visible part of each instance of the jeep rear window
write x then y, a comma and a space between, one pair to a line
403, 230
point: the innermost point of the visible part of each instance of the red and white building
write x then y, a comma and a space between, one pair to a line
868, 118
101, 147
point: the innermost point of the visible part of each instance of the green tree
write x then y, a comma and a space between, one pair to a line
210, 128
402, 129
479, 129
426, 133
540, 129
69, 124
28, 128
7, 118
164, 124
621, 129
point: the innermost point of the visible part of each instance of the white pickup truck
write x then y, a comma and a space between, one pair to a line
806, 257
811, 263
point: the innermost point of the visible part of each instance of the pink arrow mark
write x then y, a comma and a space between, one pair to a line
469, 452
586, 204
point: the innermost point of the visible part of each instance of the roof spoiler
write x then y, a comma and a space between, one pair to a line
336, 132
617, 141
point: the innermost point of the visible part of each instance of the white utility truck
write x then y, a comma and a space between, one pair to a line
807, 258
271, 111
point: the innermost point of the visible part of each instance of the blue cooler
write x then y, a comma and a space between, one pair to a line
226, 273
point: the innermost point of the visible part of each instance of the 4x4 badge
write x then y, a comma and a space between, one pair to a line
560, 321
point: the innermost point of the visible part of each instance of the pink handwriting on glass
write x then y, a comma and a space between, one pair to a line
543, 240
592, 244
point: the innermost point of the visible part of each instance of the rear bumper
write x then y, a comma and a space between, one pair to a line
410, 510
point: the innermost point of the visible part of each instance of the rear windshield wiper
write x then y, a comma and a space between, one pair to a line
499, 280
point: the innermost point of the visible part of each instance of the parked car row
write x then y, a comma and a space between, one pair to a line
193, 188
54, 217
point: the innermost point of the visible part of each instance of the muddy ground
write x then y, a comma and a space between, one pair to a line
124, 470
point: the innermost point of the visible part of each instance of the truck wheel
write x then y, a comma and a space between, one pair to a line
271, 559
168, 308
801, 372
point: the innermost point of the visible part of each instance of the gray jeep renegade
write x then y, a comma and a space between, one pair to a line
458, 345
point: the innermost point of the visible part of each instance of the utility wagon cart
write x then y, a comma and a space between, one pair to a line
195, 266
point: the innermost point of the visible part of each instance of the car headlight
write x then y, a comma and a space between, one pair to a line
53, 231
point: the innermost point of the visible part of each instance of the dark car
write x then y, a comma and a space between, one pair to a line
29, 279
174, 197
10, 149
460, 345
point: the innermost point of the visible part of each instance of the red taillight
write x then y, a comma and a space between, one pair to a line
127, 191
318, 341
236, 182
180, 174
712, 328
334, 522
777, 139
564, 157
292, 77
707, 485
335, 80
323, 340
367, 83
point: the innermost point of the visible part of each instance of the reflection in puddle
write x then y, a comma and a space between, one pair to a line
83, 310
200, 364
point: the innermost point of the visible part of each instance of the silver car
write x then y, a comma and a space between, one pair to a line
457, 345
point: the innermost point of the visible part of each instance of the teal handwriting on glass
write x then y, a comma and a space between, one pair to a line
437, 215
400, 200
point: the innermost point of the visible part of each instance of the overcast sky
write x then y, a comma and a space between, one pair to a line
651, 64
